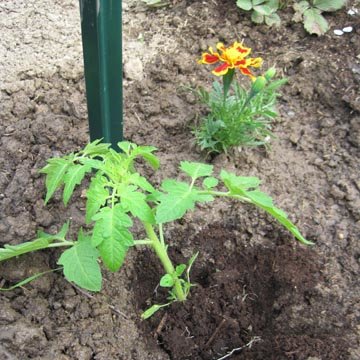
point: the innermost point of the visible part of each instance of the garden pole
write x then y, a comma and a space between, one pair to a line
102, 48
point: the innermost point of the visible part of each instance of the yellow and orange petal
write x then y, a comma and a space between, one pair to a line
244, 66
221, 69
208, 59
230, 57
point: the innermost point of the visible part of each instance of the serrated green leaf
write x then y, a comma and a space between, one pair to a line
154, 197
96, 148
196, 170
167, 281
93, 163
96, 196
258, 2
81, 266
201, 198
273, 20
260, 198
112, 236
141, 181
246, 187
265, 202
314, 22
115, 159
113, 217
180, 197
299, 8
42, 242
281, 216
97, 236
257, 18
239, 184
55, 171
10, 251
135, 202
74, 175
329, 5
125, 146
210, 182
59, 236
147, 153
244, 4
264, 10
274, 4
113, 251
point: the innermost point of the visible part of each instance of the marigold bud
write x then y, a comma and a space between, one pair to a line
258, 84
270, 73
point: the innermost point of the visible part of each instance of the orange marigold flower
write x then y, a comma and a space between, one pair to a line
230, 58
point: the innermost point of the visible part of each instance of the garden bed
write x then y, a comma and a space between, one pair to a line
255, 284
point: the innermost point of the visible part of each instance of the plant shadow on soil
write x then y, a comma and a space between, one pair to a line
246, 293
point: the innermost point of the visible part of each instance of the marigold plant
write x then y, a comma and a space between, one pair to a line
243, 117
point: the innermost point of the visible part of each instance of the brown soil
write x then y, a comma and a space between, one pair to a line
254, 283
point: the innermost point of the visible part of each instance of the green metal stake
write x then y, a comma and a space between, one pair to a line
101, 30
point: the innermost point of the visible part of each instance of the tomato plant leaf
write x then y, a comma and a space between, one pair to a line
152, 310
59, 236
239, 184
29, 279
210, 182
173, 205
141, 181
115, 239
96, 148
196, 170
135, 202
55, 171
180, 269
96, 196
74, 175
42, 241
246, 187
167, 281
125, 146
10, 251
81, 265
147, 153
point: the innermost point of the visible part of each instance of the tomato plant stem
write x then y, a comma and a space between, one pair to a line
161, 252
